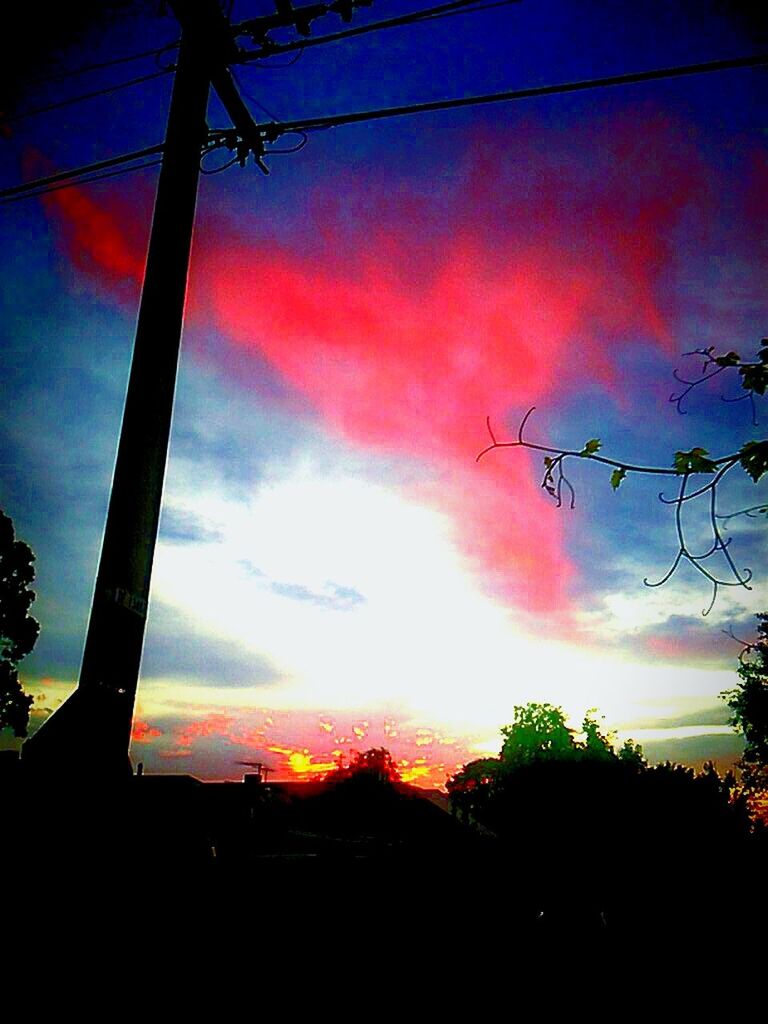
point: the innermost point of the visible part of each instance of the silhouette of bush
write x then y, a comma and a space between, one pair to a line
749, 710
18, 630
576, 816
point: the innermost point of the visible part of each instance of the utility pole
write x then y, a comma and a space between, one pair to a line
90, 733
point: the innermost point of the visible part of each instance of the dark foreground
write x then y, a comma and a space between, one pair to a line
366, 874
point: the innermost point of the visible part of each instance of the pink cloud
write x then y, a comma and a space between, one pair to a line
143, 732
402, 334
101, 239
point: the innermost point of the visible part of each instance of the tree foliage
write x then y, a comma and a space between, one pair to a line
539, 735
374, 765
685, 466
575, 818
538, 732
540, 755
18, 630
749, 709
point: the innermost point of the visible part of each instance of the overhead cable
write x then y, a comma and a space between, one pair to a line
82, 181
428, 14
658, 74
273, 131
102, 65
53, 179
24, 114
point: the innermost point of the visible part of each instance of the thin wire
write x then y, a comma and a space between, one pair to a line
82, 181
469, 10
319, 123
432, 14
428, 14
60, 76
158, 55
334, 121
52, 179
294, 149
86, 96
252, 98
218, 170
253, 66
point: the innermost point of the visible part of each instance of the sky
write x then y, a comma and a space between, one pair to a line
335, 570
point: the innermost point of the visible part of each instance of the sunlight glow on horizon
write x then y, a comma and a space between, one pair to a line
182, 728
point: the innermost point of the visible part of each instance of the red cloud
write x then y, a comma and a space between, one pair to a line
415, 370
297, 744
143, 732
403, 337
99, 238
215, 724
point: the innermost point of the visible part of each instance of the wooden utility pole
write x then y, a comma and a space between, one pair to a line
90, 733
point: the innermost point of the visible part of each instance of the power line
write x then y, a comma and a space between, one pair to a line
86, 96
293, 149
252, 66
252, 98
433, 13
429, 14
274, 130
222, 167
471, 10
101, 65
658, 74
81, 181
53, 179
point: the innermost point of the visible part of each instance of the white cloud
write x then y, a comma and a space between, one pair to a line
426, 639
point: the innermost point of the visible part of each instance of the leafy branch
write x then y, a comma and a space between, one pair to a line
752, 457
754, 375
747, 647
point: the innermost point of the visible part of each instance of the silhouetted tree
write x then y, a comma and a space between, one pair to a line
471, 787
538, 735
538, 732
577, 818
375, 764
631, 753
18, 630
749, 706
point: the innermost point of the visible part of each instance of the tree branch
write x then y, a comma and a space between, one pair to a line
687, 464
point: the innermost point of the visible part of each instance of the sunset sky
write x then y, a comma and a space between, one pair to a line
335, 571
